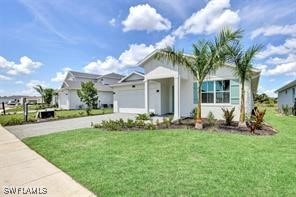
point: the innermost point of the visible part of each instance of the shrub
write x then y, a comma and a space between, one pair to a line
228, 115
130, 123
149, 126
211, 119
256, 120
193, 113
285, 109
166, 122
143, 117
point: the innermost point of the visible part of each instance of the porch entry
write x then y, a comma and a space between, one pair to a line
169, 96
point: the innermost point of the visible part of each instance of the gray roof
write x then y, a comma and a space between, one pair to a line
77, 85
289, 85
112, 76
84, 75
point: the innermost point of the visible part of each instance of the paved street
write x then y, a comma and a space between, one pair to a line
23, 169
29, 130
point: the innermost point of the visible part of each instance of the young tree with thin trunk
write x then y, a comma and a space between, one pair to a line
207, 57
242, 59
88, 94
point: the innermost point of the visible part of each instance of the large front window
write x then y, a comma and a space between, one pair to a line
215, 91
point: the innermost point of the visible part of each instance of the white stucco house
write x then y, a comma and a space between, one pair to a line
286, 94
165, 88
67, 94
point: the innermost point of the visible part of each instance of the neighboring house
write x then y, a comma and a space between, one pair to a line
287, 95
169, 89
31, 99
67, 95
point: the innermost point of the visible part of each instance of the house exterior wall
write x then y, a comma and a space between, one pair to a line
63, 99
286, 97
105, 97
108, 81
129, 99
69, 99
158, 69
134, 77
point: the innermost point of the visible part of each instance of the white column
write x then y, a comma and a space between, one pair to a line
177, 98
147, 96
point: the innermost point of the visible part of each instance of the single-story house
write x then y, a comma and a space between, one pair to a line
165, 88
31, 99
67, 94
286, 94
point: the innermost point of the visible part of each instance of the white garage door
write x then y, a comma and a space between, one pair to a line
131, 101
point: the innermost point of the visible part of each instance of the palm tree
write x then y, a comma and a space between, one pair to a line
40, 90
207, 57
242, 59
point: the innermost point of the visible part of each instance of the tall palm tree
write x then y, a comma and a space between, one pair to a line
40, 90
207, 57
242, 59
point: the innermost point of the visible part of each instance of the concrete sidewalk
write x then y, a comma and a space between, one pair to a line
25, 170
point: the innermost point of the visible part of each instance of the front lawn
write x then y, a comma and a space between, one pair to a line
18, 118
177, 162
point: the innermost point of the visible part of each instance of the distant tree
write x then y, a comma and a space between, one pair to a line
48, 94
40, 90
88, 94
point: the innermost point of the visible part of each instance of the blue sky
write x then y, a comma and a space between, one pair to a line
41, 40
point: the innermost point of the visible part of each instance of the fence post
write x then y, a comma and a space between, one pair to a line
3, 107
24, 109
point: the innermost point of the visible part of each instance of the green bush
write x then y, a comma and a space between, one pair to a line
228, 115
193, 113
211, 119
121, 125
285, 110
143, 117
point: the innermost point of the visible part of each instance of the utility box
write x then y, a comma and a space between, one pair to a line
45, 114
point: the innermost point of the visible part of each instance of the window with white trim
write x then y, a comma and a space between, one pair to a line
222, 91
207, 92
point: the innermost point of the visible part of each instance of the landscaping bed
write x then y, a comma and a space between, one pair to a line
145, 123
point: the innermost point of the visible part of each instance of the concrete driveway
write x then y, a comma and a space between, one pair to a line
29, 130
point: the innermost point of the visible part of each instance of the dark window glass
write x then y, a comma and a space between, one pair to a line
207, 95
223, 91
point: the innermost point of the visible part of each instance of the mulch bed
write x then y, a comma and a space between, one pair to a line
220, 126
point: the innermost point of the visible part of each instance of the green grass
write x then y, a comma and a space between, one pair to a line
177, 163
18, 118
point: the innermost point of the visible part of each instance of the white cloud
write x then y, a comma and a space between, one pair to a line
112, 22
3, 77
145, 17
110, 64
60, 76
128, 58
26, 66
286, 48
167, 41
135, 53
215, 15
286, 68
283, 66
30, 91
275, 30
19, 82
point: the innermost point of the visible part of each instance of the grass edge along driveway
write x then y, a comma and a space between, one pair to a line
177, 163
